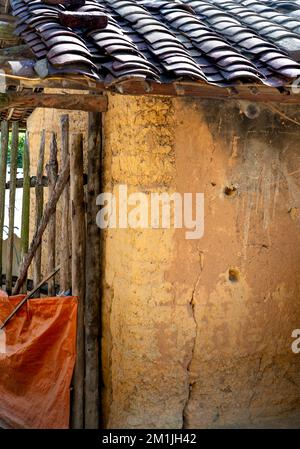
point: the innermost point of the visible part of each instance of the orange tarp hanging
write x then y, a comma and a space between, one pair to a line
37, 357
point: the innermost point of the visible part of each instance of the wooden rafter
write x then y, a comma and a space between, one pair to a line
93, 103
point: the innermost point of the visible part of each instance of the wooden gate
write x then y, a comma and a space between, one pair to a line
66, 250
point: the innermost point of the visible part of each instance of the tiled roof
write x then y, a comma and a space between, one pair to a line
221, 42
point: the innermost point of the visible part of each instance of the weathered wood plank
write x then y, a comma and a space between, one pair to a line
62, 180
25, 204
12, 199
250, 92
78, 270
3, 168
65, 271
52, 171
39, 205
93, 277
94, 103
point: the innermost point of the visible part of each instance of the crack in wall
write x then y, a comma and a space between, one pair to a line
190, 383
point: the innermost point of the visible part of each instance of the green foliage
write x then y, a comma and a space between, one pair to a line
20, 150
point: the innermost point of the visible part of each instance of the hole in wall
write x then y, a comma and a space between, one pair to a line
252, 111
230, 191
233, 275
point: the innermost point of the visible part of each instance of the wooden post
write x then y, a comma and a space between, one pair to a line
52, 170
65, 271
12, 200
62, 180
78, 271
39, 204
3, 169
93, 277
25, 204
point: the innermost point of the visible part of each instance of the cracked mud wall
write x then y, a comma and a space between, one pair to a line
146, 346
198, 333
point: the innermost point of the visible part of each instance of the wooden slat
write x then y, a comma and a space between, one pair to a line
65, 271
12, 200
78, 271
93, 277
25, 204
39, 204
52, 171
3, 168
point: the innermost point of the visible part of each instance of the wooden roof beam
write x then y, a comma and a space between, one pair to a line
92, 103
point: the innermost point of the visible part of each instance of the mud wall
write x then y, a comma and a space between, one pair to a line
197, 333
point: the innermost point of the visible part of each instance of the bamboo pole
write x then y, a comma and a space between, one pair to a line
12, 200
39, 204
65, 271
93, 277
78, 271
52, 170
25, 204
49, 209
3, 169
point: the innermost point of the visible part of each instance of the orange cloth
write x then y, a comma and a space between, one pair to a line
36, 363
